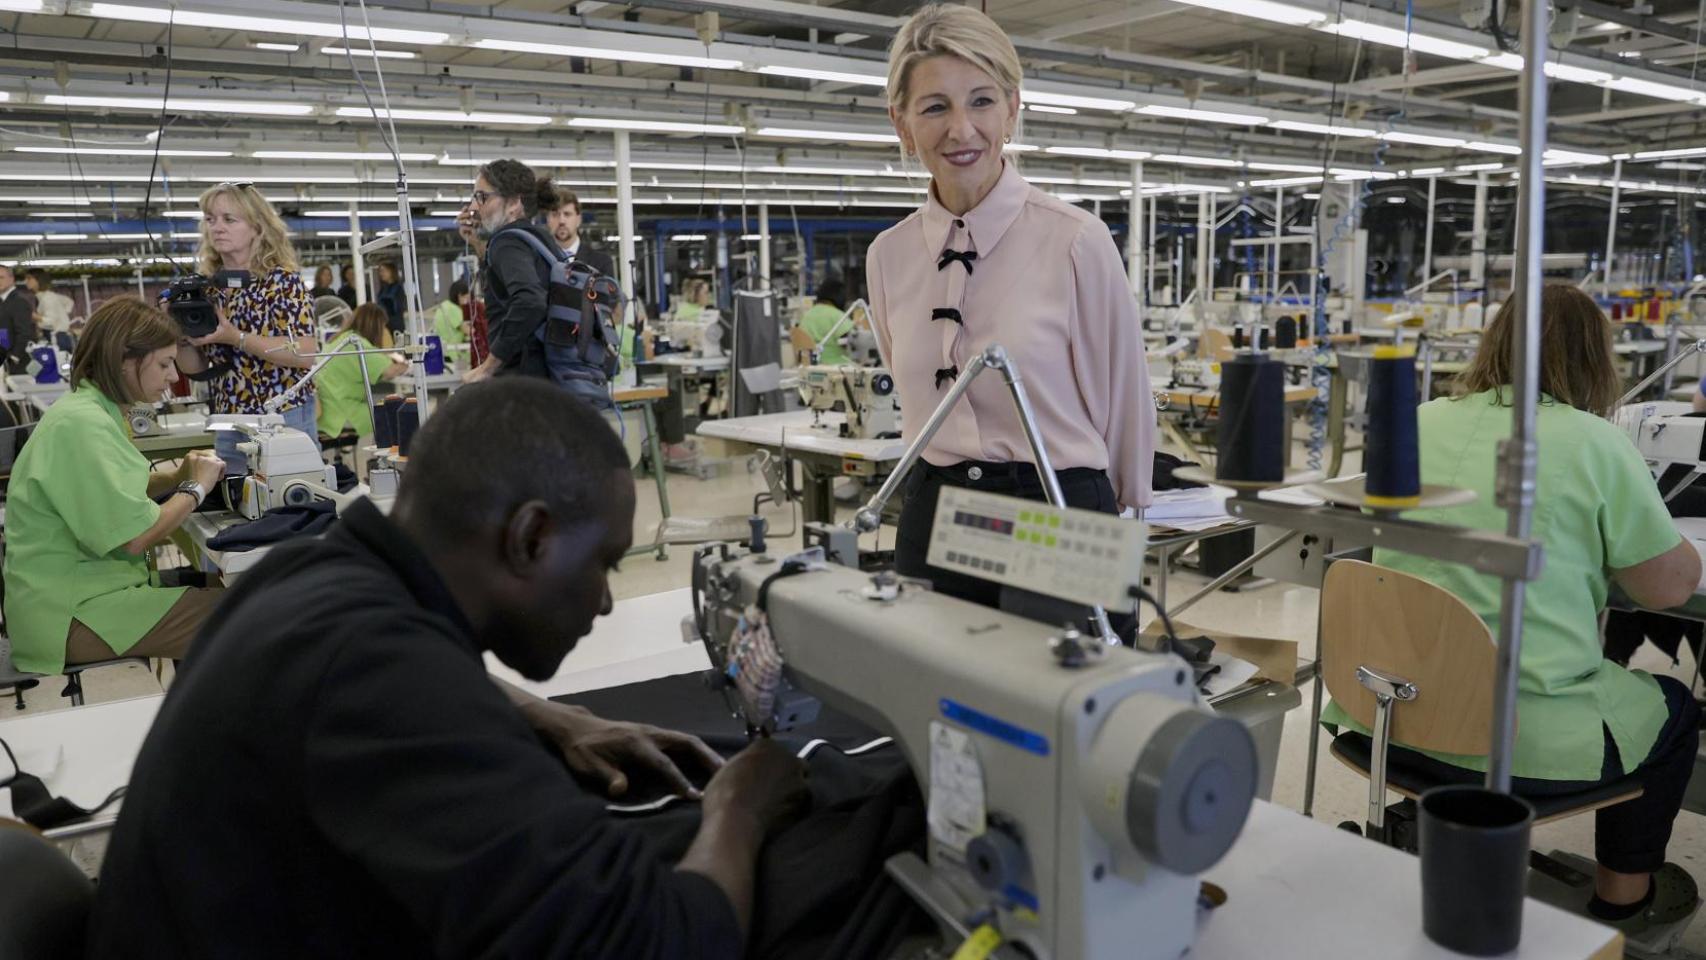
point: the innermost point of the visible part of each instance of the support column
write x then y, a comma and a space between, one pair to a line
356, 259
1205, 246
1478, 235
1428, 235
625, 217
1279, 237
764, 244
1611, 229
1134, 240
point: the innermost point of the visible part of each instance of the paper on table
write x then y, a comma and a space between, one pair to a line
1233, 674
1193, 504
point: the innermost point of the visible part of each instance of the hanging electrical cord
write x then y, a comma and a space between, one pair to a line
154, 246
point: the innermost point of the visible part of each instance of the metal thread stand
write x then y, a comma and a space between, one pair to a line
870, 516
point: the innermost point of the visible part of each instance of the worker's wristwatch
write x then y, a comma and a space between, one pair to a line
194, 489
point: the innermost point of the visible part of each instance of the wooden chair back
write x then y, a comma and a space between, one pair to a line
1407, 627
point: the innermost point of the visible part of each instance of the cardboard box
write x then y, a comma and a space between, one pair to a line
1275, 660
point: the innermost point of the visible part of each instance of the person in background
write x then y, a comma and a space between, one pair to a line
695, 297
83, 508
450, 319
322, 282
390, 296
53, 309
1581, 719
266, 339
507, 197
16, 320
944, 285
336, 774
563, 219
346, 292
827, 324
344, 380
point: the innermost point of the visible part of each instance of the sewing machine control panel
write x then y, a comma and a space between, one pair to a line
1078, 555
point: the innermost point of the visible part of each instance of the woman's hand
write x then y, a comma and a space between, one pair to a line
204, 467
226, 333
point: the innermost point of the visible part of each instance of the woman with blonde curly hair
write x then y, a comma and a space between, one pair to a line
266, 338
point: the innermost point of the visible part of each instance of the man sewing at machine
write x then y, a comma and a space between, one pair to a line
335, 773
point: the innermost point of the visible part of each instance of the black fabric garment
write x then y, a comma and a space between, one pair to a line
517, 284
1625, 630
390, 297
595, 258
276, 526
20, 327
1165, 465
319, 292
334, 774
1630, 837
821, 892
346, 293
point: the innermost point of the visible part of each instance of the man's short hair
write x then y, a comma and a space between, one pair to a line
493, 446
565, 198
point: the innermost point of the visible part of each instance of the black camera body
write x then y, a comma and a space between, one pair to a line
186, 299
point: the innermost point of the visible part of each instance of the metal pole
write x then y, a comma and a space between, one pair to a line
764, 244
1517, 455
1478, 236
355, 255
1428, 239
1611, 228
1279, 235
625, 217
1134, 243
1205, 250
1149, 258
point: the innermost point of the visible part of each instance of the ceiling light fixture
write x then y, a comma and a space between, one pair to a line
608, 53
1406, 40
225, 21
1262, 10
1422, 139
797, 133
1099, 153
447, 116
1050, 99
367, 52
830, 76
1500, 148
339, 155
1195, 161
1048, 108
655, 126
269, 45
125, 152
1207, 116
152, 104
1325, 129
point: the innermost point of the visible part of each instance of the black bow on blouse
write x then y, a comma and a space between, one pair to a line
947, 375
946, 313
949, 256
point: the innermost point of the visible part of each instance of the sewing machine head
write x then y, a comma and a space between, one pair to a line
284, 463
865, 394
1075, 789
1667, 434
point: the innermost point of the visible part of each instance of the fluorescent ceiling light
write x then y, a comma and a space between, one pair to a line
125, 152
1503, 148
1504, 61
1661, 91
226, 21
1558, 155
1207, 116
67, 236
1477, 167
1184, 188
1395, 37
365, 52
707, 167
1049, 99
1325, 129
655, 126
447, 116
1574, 74
337, 155
1285, 182
1423, 139
687, 237
268, 45
4, 96
1019, 147
22, 6
1426, 171
21, 236
252, 107
1671, 154
1394, 199
608, 53
1195, 161
1282, 167
1262, 10
344, 212
1344, 173
69, 201
1100, 153
819, 171
833, 76
1047, 108
1675, 165
796, 133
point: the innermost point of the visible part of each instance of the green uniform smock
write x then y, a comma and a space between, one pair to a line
447, 323
1596, 509
79, 493
343, 399
818, 321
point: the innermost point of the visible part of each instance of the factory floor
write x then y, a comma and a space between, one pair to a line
1279, 610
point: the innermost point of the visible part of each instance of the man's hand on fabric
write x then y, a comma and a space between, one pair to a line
612, 751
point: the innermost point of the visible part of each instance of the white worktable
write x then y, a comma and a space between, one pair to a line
687, 363
796, 430
38, 395
83, 753
202, 527
1298, 889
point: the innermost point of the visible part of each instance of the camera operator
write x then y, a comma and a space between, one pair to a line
265, 340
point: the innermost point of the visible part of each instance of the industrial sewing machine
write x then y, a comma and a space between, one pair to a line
1672, 441
285, 468
1075, 789
865, 394
1196, 373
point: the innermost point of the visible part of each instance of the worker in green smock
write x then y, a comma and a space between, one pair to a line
343, 393
83, 508
1581, 719
827, 323
449, 322
695, 297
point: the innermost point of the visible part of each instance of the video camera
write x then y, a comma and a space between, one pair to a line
186, 299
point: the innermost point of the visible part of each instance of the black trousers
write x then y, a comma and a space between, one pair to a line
1630, 837
1084, 488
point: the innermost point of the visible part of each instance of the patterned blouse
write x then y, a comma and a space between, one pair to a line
276, 305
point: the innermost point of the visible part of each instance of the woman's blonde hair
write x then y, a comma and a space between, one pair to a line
1577, 363
272, 243
942, 29
123, 328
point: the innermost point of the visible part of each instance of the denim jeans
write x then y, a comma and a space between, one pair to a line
225, 442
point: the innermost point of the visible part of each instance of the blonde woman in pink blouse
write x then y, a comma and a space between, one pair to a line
990, 259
